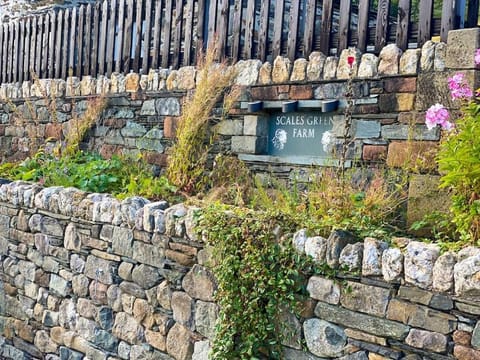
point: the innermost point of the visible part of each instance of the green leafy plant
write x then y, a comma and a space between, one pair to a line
121, 176
459, 156
459, 162
258, 274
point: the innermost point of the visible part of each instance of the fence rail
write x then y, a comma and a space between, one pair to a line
136, 35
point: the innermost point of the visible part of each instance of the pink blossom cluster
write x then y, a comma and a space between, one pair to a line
477, 57
459, 89
438, 115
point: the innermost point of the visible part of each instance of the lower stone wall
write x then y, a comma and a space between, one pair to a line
86, 276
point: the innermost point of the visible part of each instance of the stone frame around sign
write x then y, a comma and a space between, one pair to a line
252, 145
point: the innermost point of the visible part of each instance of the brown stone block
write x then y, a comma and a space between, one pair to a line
396, 102
366, 109
264, 93
283, 89
2, 130
115, 123
156, 158
301, 92
432, 88
53, 131
374, 152
170, 124
188, 250
107, 151
424, 197
179, 257
462, 337
465, 353
401, 85
412, 154
411, 117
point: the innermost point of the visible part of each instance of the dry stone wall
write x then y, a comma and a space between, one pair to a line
86, 276
391, 91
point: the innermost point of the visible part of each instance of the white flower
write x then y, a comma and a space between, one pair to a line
327, 141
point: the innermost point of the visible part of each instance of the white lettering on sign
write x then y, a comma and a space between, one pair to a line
303, 133
300, 120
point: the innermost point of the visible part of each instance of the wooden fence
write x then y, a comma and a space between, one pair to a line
136, 35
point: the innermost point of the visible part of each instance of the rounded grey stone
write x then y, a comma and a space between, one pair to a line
324, 338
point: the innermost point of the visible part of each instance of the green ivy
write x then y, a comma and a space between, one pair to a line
258, 273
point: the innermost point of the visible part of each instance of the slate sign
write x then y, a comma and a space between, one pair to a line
298, 134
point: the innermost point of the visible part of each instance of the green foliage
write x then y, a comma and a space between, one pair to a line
258, 274
459, 164
366, 203
120, 176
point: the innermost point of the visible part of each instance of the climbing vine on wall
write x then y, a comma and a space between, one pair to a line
258, 273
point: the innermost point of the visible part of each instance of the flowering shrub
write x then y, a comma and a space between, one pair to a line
459, 155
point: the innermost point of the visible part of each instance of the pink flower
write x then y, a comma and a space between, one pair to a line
458, 87
438, 115
477, 57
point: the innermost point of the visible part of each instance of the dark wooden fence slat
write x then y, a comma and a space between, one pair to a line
237, 28
33, 47
88, 40
211, 21
95, 36
119, 37
381, 32
263, 32
293, 29
363, 14
51, 44
167, 31
5, 53
403, 22
58, 44
38, 51
200, 24
127, 37
14, 58
472, 15
424, 21
146, 37
448, 18
2, 52
81, 19
11, 41
46, 33
111, 36
250, 16
102, 38
187, 52
72, 45
344, 25
278, 28
26, 58
310, 11
156, 33
66, 43
222, 26
21, 50
326, 26
177, 25
138, 36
